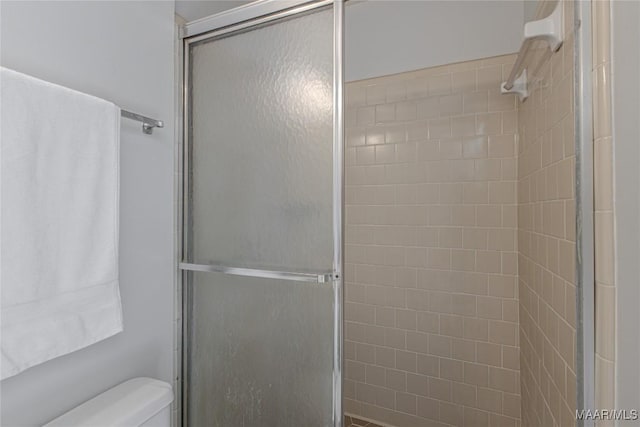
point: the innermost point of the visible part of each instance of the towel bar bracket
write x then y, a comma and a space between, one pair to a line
148, 124
519, 87
148, 128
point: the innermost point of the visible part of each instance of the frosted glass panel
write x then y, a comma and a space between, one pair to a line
261, 352
261, 128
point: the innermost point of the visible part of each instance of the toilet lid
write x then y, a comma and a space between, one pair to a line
130, 404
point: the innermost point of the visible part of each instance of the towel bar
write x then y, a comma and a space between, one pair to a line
147, 123
322, 277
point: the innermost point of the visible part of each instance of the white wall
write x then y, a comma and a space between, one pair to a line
392, 36
121, 51
386, 37
626, 132
191, 10
530, 8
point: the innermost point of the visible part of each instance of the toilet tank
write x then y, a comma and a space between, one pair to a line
134, 403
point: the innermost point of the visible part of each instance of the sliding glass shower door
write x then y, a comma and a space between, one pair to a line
263, 217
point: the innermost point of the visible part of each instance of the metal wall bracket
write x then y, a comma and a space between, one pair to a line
519, 87
148, 128
148, 124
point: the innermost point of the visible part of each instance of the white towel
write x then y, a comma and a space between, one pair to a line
59, 228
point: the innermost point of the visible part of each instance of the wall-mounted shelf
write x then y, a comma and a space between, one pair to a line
549, 29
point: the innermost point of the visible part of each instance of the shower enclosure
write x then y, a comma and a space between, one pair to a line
469, 241
262, 216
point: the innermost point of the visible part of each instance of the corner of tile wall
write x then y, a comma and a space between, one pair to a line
546, 235
605, 288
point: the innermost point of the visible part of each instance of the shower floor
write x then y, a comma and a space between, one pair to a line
355, 422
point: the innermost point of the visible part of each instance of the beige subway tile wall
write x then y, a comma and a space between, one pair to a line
604, 213
431, 306
546, 235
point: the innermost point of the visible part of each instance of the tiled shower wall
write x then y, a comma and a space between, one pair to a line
603, 218
546, 235
431, 306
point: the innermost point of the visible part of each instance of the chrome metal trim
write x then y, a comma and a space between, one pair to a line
323, 277
247, 16
187, 298
585, 278
186, 240
179, 280
338, 204
147, 122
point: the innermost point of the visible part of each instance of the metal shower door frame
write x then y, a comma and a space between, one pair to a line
585, 234
237, 19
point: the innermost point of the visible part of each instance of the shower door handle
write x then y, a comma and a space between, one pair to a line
321, 277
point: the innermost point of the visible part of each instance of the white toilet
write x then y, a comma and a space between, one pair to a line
134, 403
